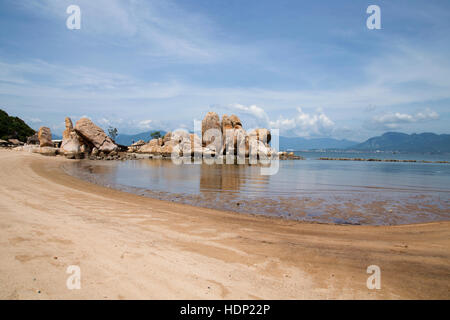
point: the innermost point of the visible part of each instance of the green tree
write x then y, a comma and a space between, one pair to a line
112, 132
156, 134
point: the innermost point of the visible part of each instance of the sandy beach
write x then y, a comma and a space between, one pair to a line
133, 247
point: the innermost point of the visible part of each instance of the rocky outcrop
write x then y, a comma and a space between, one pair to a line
45, 137
136, 146
72, 142
236, 121
68, 130
227, 124
34, 139
212, 131
283, 155
152, 147
47, 151
95, 136
258, 142
196, 145
235, 139
262, 135
167, 137
15, 142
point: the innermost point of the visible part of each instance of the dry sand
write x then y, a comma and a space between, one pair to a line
132, 247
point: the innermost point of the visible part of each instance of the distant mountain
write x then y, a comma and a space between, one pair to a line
13, 128
396, 141
297, 143
127, 139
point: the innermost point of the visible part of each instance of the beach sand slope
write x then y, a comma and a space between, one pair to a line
131, 247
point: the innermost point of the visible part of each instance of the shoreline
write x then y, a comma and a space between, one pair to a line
134, 247
349, 205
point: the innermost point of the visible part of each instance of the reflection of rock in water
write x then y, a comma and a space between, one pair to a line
101, 172
229, 177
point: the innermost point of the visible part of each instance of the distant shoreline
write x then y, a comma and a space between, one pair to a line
381, 160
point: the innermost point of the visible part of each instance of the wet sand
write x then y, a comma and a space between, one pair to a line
133, 247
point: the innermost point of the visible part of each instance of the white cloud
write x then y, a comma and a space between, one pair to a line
302, 124
393, 120
35, 120
145, 124
305, 124
252, 110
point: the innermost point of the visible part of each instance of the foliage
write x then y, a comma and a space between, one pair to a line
113, 132
156, 134
14, 128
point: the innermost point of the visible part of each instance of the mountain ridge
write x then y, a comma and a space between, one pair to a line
402, 142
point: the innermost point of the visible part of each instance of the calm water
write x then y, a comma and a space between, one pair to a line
375, 193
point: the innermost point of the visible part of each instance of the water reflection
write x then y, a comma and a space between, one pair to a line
311, 190
229, 178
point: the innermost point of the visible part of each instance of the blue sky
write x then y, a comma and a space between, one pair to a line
309, 68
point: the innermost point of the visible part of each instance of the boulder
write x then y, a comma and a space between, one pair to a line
94, 152
95, 135
34, 139
135, 146
3, 143
71, 145
240, 142
167, 137
47, 151
179, 136
234, 136
69, 128
226, 123
168, 147
262, 135
211, 128
139, 143
17, 142
154, 145
196, 145
150, 148
236, 121
45, 137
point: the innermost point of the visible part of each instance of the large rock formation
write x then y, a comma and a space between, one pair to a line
261, 134
226, 136
152, 147
234, 136
45, 137
179, 141
212, 131
95, 136
72, 142
259, 143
